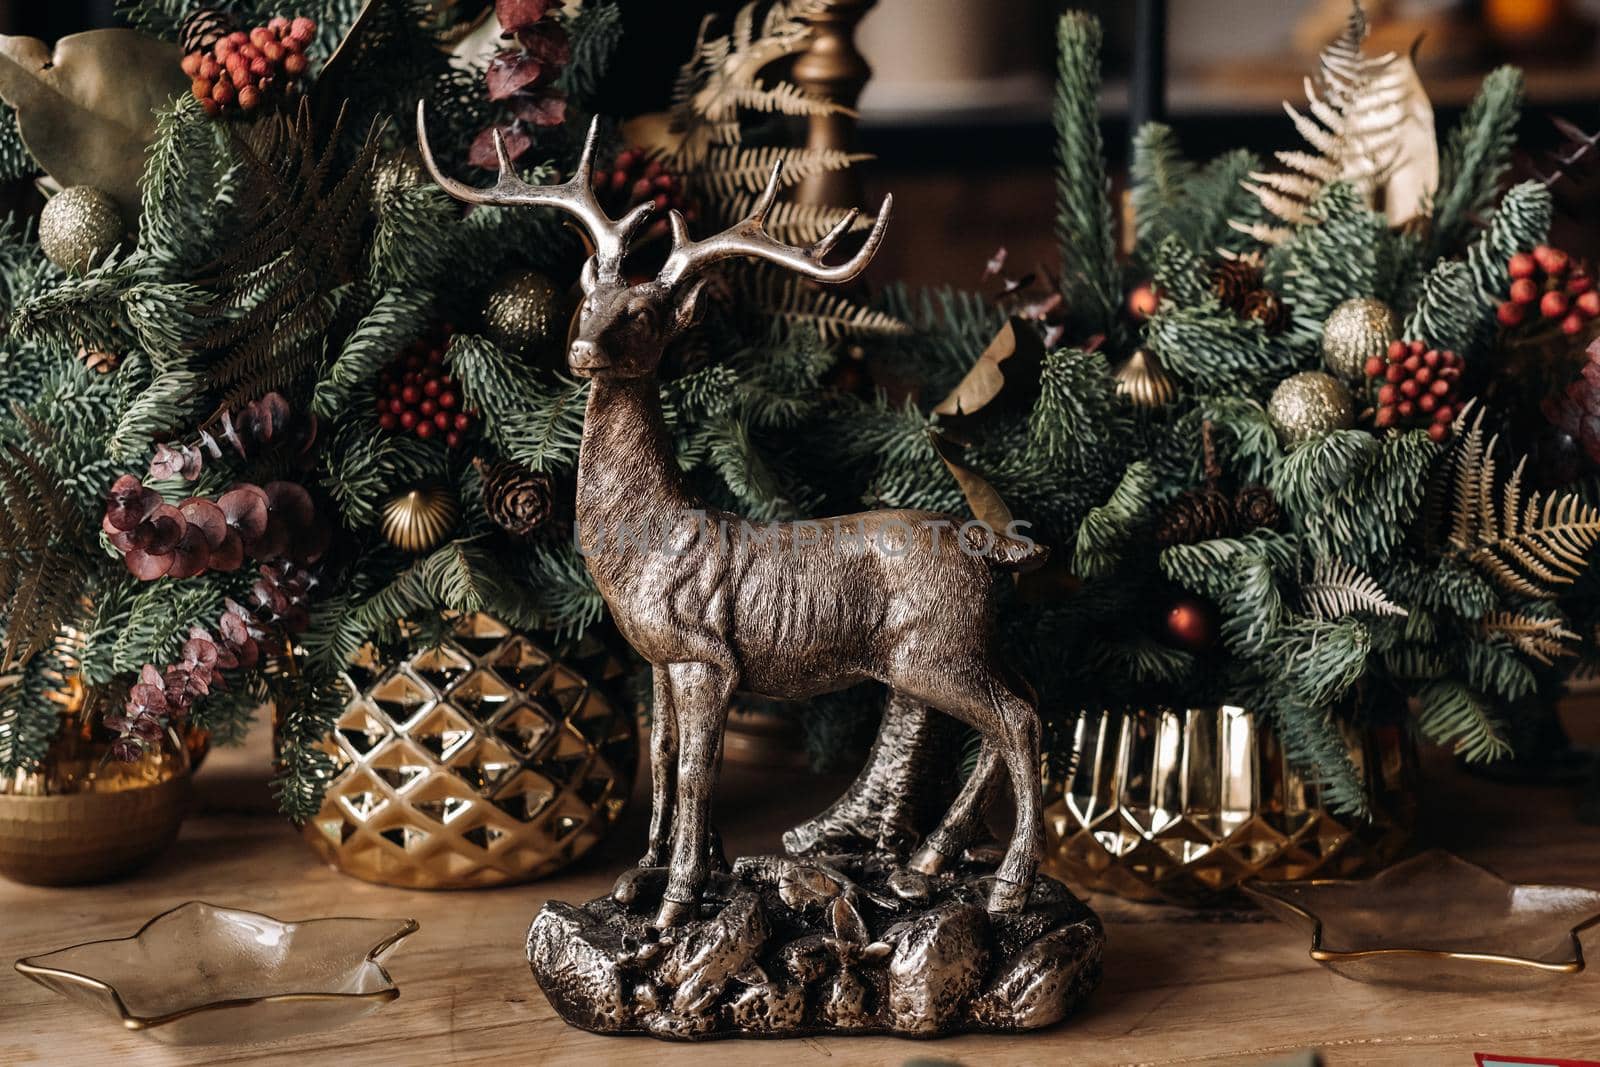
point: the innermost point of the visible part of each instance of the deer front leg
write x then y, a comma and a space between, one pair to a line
700, 695
663, 768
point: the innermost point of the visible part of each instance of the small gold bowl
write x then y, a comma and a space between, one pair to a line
1438, 922
200, 974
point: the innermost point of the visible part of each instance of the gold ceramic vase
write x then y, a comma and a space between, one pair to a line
483, 761
81, 816
1182, 805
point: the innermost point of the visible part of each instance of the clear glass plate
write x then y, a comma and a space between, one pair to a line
1438, 922
202, 974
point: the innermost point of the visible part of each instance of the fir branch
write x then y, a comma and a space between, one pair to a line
1107, 529
1475, 160
1089, 273
1451, 714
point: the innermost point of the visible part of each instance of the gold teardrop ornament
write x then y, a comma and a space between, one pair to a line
419, 519
1145, 383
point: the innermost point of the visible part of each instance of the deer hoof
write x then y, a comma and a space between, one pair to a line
928, 860
674, 913
642, 879
1007, 897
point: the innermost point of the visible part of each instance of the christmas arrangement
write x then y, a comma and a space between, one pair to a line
1299, 450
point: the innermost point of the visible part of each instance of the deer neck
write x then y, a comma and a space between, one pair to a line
627, 470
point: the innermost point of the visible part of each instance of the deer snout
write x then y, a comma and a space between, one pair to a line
586, 357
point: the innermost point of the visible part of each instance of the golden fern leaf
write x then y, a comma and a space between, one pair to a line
1336, 589
1354, 120
785, 98
793, 300
1544, 640
727, 170
1526, 550
794, 222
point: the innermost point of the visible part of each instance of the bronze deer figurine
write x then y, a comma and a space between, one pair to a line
781, 609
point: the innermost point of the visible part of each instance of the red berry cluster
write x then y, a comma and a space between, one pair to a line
417, 395
1417, 386
635, 178
243, 68
1548, 282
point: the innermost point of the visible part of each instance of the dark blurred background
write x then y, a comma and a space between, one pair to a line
957, 112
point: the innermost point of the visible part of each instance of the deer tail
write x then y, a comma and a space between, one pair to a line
1005, 552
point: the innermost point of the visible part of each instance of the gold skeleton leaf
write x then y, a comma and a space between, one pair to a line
1525, 548
793, 300
1545, 640
1369, 123
1336, 589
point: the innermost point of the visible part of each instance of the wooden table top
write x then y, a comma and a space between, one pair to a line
1180, 987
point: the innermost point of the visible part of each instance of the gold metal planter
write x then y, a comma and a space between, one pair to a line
81, 817
1183, 805
480, 762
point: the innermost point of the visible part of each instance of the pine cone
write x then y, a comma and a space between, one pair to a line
203, 29
1235, 279
1264, 306
1199, 515
1255, 508
517, 499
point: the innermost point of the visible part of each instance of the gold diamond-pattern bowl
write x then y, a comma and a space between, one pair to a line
480, 762
1182, 805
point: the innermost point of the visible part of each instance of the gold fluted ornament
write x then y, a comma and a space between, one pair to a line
1358, 329
418, 519
1145, 383
78, 227
1309, 404
523, 314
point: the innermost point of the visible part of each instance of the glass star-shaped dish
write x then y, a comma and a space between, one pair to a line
1438, 922
200, 974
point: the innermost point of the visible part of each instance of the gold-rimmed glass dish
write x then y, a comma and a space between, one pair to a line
1438, 922
202, 974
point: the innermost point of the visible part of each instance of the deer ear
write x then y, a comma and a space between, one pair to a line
588, 277
687, 311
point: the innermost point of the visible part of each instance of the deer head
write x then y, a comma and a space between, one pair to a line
623, 328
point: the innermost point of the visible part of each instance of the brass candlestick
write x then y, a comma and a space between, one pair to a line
833, 68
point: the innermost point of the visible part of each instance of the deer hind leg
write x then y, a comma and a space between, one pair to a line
663, 769
964, 816
980, 696
1019, 723
700, 694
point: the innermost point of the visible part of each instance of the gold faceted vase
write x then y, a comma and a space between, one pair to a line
482, 761
1182, 805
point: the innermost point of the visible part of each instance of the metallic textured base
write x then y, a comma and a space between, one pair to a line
828, 945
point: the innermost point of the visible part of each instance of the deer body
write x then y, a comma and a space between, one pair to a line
797, 609
786, 610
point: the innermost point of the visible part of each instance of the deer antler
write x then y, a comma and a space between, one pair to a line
575, 196
749, 238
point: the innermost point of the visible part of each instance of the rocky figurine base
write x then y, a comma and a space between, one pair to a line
834, 945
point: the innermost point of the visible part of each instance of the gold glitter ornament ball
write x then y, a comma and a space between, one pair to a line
397, 172
78, 227
523, 314
1358, 329
419, 519
1309, 404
